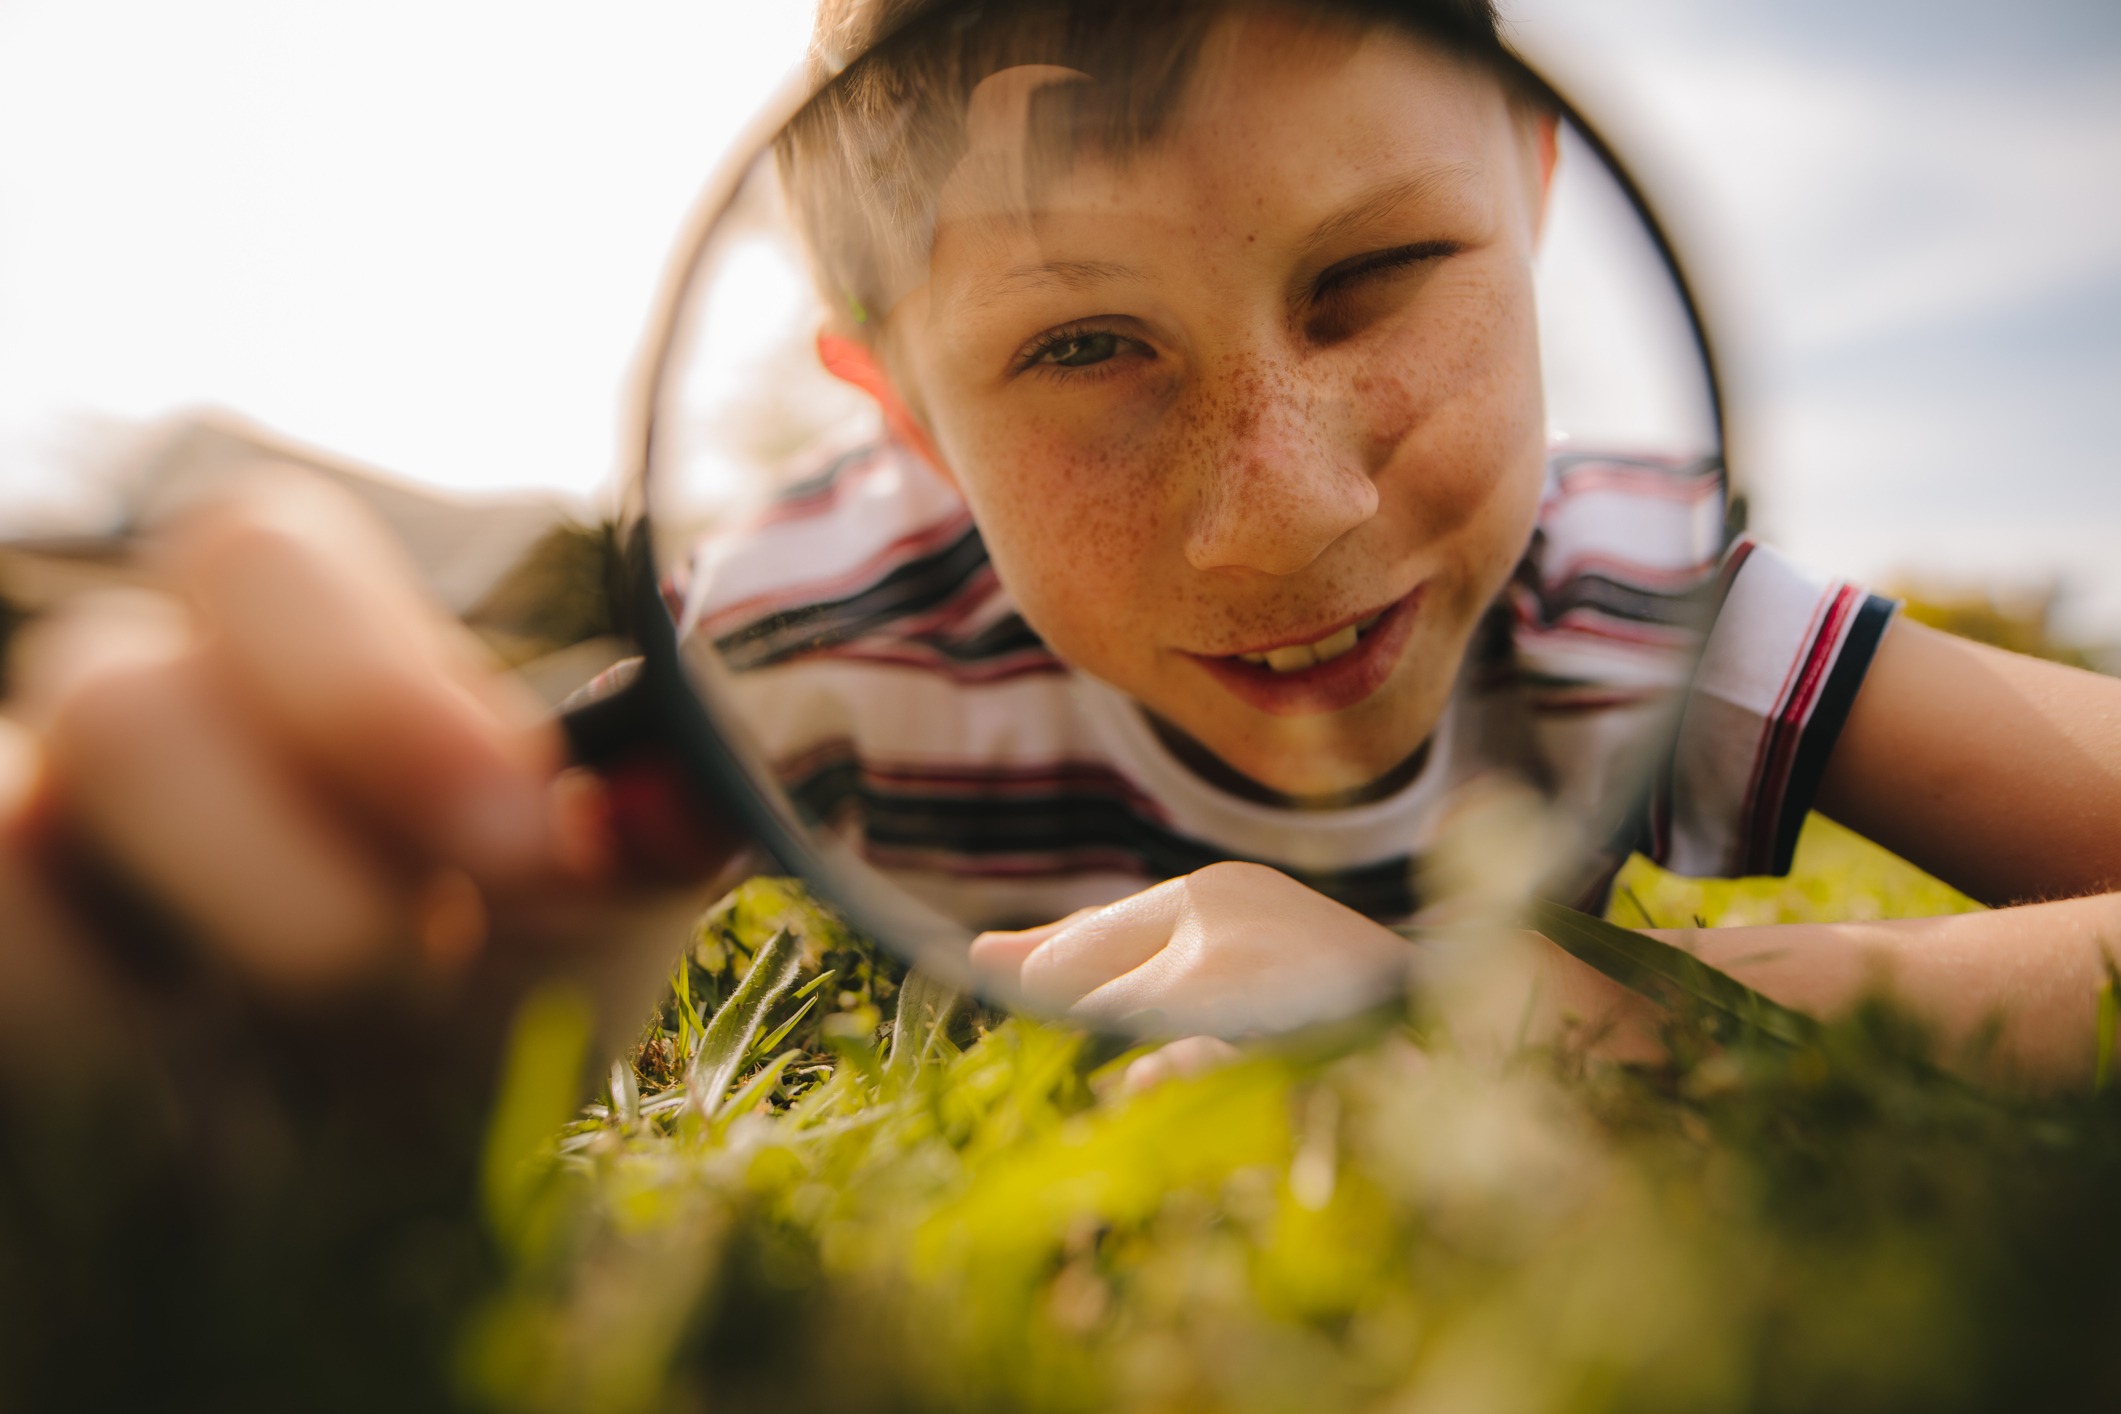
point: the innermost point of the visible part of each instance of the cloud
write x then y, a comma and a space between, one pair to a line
1911, 217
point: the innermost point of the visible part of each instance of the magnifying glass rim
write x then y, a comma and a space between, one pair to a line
738, 784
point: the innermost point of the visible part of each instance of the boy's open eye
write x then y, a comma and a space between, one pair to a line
1077, 348
1080, 350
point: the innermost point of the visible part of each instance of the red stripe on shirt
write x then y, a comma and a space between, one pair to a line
926, 541
1763, 808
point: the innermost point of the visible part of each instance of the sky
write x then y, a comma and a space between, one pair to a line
429, 236
1906, 218
425, 234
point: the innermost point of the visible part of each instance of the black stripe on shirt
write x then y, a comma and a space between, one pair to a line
1823, 728
1063, 832
1005, 636
1618, 599
915, 587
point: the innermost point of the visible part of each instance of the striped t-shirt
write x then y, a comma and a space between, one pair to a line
906, 705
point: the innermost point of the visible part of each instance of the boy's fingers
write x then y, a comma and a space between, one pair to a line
1180, 1060
1160, 992
159, 770
1089, 952
314, 617
997, 956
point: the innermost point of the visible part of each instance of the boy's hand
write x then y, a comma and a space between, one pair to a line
1230, 950
1238, 949
293, 759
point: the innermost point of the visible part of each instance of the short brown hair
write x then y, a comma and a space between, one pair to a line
864, 159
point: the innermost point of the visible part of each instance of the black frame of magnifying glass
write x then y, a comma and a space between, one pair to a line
668, 716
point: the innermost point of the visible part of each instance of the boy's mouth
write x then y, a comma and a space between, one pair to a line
1326, 674
1297, 656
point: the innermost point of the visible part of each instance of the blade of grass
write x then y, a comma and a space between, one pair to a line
780, 1033
1645, 965
625, 1094
747, 1095
925, 1007
2109, 1019
547, 1043
682, 984
728, 1036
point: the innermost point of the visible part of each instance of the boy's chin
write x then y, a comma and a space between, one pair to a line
1302, 764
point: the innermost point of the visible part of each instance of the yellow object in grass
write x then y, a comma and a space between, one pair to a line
1838, 876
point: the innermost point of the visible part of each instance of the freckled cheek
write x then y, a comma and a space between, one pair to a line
1460, 408
1467, 530
1072, 531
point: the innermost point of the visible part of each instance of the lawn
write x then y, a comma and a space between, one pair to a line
820, 1184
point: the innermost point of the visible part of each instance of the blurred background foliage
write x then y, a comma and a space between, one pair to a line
565, 590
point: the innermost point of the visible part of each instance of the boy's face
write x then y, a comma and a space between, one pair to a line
1263, 386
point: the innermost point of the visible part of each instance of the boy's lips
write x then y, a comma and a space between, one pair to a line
1328, 686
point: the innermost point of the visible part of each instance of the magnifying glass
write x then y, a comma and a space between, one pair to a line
1084, 445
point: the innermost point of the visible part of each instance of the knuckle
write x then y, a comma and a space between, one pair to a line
107, 713
1233, 880
101, 633
1231, 871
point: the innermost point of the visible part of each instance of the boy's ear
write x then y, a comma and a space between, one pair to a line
1546, 146
857, 364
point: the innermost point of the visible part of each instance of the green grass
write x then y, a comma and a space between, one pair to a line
974, 1217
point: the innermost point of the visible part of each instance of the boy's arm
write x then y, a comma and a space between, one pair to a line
2000, 774
2011, 995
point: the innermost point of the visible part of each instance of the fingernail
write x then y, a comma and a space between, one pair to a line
582, 839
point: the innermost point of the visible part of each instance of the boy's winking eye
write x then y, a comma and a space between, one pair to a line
1357, 292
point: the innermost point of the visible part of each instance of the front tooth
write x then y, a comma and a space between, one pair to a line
1369, 623
1258, 658
1292, 660
1333, 646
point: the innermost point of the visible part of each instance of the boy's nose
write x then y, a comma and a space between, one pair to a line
1282, 481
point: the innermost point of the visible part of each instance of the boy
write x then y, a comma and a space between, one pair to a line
1219, 319
1232, 361
1265, 444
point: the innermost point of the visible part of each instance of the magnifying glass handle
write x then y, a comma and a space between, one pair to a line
666, 832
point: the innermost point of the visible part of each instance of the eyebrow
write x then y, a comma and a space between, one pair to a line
1419, 185
1051, 274
1423, 182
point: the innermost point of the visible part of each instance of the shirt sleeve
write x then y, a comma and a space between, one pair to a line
1785, 655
